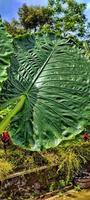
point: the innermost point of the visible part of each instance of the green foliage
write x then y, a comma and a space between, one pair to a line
5, 168
69, 17
52, 187
18, 158
77, 187
62, 184
14, 28
4, 112
72, 156
63, 18
86, 49
69, 164
33, 17
5, 53
48, 80
2, 153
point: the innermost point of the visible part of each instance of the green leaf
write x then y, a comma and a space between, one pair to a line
5, 53
54, 76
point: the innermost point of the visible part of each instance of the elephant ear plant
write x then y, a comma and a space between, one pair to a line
5, 53
48, 92
6, 50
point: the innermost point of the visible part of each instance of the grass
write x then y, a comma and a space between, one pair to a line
70, 157
5, 168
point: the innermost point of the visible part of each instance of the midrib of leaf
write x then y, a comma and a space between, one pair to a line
7, 120
41, 70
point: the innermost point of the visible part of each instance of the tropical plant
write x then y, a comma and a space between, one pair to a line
5, 53
47, 82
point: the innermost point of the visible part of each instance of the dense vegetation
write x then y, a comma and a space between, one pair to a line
65, 18
45, 89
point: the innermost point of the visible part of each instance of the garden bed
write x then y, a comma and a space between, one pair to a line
36, 184
34, 175
25, 183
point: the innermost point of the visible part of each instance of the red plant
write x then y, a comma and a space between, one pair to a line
5, 137
86, 136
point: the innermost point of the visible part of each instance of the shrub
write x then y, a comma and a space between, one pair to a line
5, 168
72, 157
2, 153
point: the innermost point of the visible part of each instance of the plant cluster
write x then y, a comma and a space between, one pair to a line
65, 18
5, 168
72, 158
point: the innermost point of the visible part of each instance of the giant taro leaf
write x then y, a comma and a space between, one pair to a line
5, 53
54, 76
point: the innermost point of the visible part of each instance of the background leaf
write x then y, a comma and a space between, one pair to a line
5, 53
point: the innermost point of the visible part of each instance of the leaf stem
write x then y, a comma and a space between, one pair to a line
6, 121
